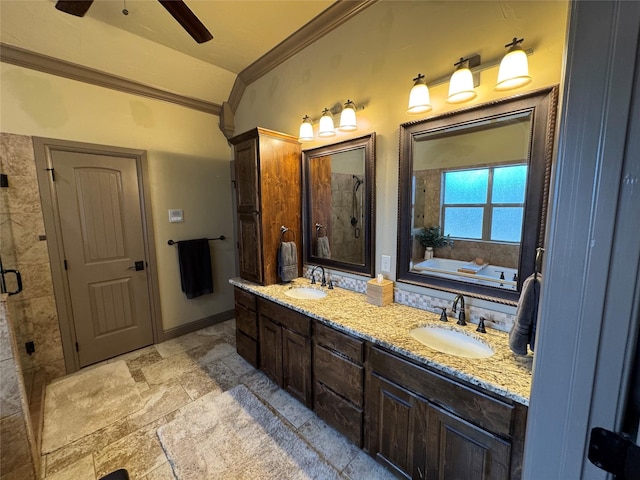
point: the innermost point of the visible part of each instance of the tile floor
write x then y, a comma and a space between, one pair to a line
169, 376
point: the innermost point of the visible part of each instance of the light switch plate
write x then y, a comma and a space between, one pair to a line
385, 264
176, 215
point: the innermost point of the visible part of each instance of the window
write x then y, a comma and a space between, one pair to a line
484, 203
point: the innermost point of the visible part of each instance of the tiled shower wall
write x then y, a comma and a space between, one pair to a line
19, 457
21, 224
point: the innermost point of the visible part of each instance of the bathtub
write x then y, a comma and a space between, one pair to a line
447, 268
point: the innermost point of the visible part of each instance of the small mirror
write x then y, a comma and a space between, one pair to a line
339, 205
473, 194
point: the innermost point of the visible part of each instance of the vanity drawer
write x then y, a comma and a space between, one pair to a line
247, 321
337, 412
483, 410
339, 374
244, 298
284, 316
342, 343
247, 348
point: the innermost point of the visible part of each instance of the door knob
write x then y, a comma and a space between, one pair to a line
137, 266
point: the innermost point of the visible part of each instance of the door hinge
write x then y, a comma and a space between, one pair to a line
66, 266
615, 453
53, 174
77, 347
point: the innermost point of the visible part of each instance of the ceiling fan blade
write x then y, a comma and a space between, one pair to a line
74, 7
185, 17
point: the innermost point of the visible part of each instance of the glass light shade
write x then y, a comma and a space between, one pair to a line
514, 70
419, 100
348, 121
306, 130
326, 128
461, 87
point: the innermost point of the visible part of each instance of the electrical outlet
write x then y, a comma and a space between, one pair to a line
385, 264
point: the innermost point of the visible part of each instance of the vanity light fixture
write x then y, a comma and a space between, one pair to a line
306, 129
419, 101
514, 68
462, 84
348, 121
326, 128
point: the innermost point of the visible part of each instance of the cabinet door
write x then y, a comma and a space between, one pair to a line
296, 364
247, 189
458, 450
396, 425
271, 349
249, 243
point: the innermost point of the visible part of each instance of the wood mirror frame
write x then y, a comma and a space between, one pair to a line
367, 144
542, 105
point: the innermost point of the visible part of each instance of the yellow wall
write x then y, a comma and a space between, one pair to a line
372, 59
188, 161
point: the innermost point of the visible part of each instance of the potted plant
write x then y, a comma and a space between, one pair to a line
431, 237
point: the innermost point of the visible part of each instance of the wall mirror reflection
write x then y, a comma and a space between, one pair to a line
473, 195
339, 211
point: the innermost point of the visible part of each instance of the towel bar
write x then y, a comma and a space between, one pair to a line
318, 227
284, 230
221, 237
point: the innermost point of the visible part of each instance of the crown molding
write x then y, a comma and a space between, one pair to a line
62, 68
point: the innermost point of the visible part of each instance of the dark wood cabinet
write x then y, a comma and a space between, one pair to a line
247, 343
285, 349
339, 381
460, 450
268, 196
423, 425
418, 422
397, 425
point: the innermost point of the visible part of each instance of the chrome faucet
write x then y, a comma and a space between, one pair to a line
462, 315
313, 277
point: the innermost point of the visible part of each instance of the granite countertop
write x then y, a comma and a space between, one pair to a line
504, 373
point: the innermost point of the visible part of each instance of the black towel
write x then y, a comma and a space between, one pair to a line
195, 267
523, 332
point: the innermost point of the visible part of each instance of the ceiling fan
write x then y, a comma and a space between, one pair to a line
177, 8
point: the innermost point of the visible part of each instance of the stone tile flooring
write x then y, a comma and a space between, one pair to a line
173, 374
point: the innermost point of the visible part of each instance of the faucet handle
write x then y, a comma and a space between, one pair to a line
443, 315
330, 284
481, 328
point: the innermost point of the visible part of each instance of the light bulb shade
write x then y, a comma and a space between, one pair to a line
348, 121
306, 130
326, 128
461, 86
419, 100
514, 70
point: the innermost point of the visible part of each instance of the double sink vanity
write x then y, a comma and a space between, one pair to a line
426, 398
420, 412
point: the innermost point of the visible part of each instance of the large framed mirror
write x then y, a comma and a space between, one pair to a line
339, 205
473, 196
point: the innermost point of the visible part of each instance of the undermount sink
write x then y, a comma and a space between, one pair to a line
305, 293
450, 341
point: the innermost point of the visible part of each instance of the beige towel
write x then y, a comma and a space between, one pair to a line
323, 247
288, 261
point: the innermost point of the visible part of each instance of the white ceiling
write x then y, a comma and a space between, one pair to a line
243, 30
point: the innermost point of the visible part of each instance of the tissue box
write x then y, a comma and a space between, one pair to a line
380, 293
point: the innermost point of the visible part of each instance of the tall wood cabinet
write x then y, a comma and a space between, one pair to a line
268, 196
